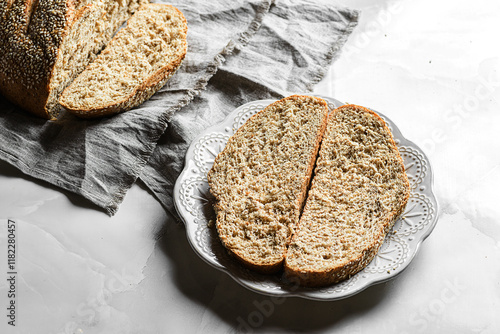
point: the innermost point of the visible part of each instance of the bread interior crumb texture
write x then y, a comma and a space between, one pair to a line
358, 190
152, 39
95, 26
45, 44
260, 179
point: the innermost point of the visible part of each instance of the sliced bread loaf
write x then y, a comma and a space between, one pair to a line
260, 179
358, 190
134, 65
45, 44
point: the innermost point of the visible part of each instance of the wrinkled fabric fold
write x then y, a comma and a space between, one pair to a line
238, 51
101, 159
290, 53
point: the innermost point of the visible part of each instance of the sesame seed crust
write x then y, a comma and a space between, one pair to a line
135, 64
30, 32
32, 42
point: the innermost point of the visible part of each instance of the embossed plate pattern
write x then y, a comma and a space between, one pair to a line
193, 202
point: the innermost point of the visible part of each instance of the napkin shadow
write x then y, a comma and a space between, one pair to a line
77, 200
246, 311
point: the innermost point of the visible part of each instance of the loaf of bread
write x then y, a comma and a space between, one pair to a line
45, 44
134, 65
260, 179
359, 189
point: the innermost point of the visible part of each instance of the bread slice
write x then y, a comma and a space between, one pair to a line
358, 190
134, 65
45, 44
260, 179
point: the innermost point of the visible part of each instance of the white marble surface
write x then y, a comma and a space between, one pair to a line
434, 69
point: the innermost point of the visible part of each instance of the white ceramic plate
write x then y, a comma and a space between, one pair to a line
193, 202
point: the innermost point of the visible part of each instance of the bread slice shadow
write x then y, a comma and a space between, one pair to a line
239, 307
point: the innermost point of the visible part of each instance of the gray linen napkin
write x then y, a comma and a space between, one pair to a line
101, 159
291, 51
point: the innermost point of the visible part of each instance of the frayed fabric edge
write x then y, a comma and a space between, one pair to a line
242, 40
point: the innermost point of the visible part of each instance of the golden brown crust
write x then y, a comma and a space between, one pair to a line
267, 268
310, 278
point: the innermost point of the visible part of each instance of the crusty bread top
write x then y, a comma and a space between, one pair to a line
44, 44
31, 31
260, 179
136, 63
358, 190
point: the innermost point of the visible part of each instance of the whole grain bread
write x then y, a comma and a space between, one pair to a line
359, 189
260, 179
45, 44
134, 65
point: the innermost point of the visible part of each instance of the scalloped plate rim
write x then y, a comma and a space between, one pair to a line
308, 293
